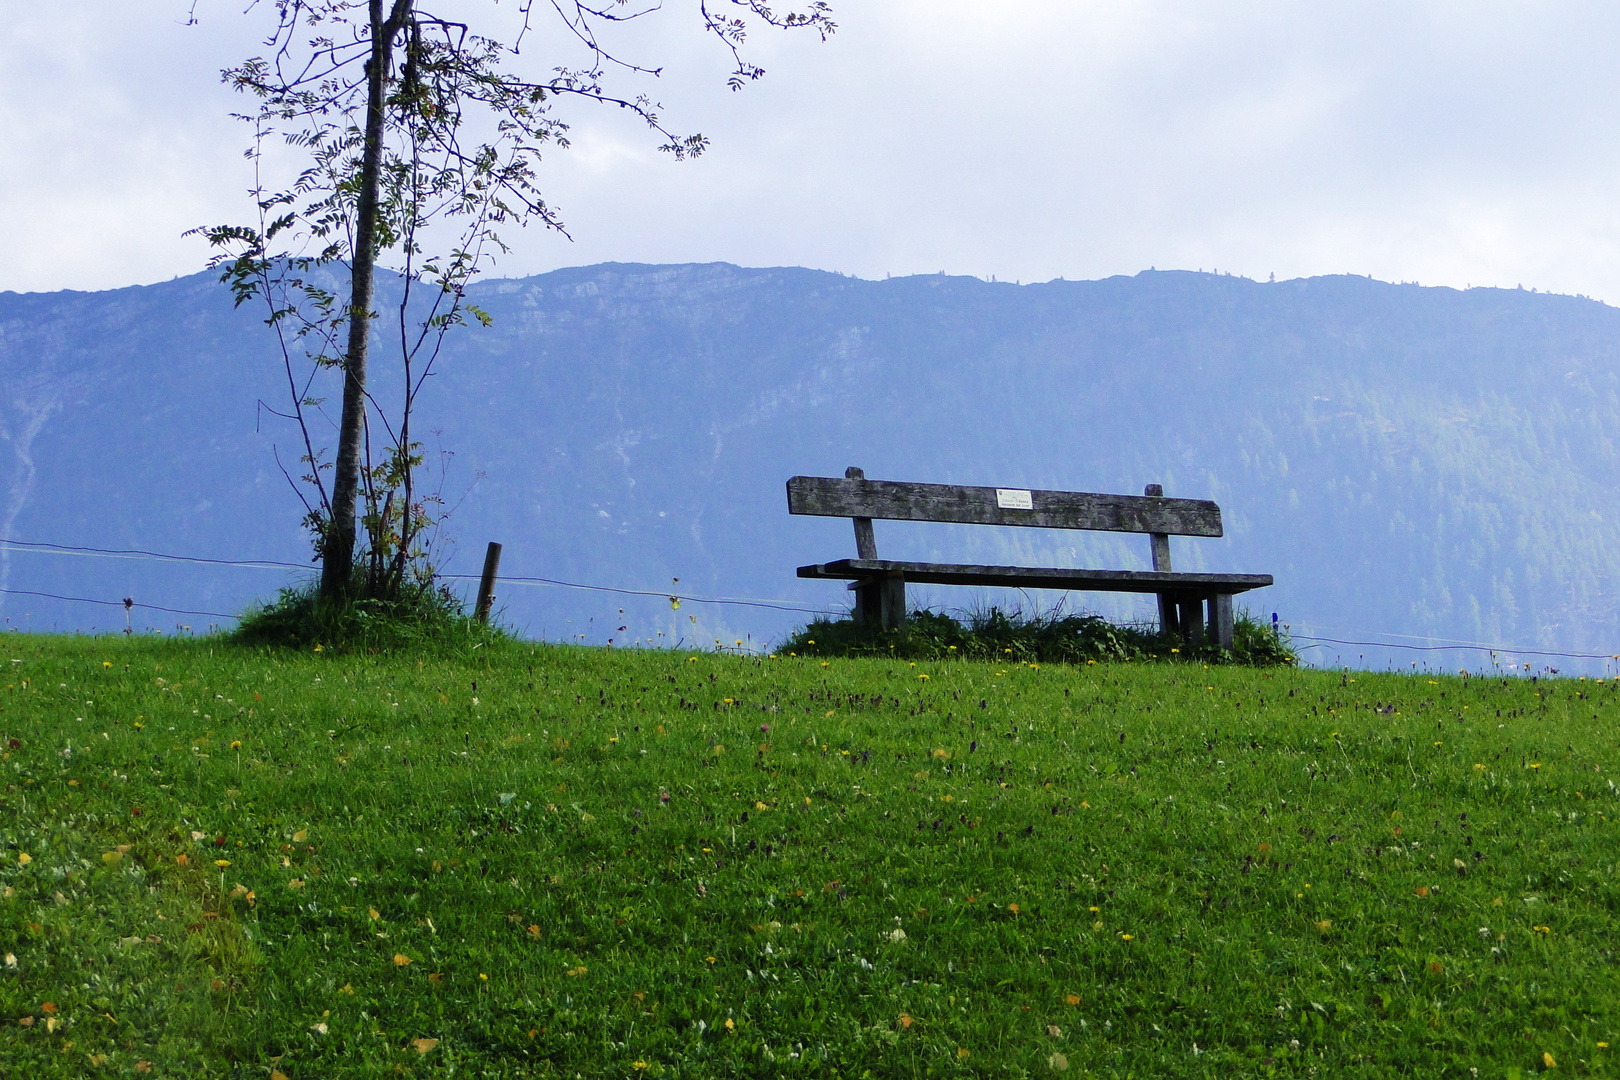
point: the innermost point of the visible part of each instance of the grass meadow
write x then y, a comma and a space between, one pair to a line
560, 861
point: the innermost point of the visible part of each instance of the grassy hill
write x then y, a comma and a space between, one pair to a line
544, 860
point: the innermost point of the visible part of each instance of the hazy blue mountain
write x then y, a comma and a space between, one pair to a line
1406, 461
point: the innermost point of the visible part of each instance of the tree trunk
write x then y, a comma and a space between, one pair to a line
337, 548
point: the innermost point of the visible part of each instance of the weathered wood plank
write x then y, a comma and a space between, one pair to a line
1028, 577
827, 496
1225, 622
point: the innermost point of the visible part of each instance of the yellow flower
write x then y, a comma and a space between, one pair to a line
23, 858
924, 678
236, 744
1547, 1060
317, 648
222, 863
760, 806
1126, 937
825, 664
730, 1024
639, 1065
106, 663
708, 959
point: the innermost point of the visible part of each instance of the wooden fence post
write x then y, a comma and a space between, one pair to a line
486, 585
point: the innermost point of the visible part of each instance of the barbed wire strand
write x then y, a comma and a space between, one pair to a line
115, 603
769, 605
1452, 648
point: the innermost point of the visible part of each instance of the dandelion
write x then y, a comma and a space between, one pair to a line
825, 664
639, 1065
1547, 1060
23, 858
923, 678
730, 1024
708, 959
1126, 937
236, 744
106, 663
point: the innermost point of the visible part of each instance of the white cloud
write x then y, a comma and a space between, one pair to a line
1434, 141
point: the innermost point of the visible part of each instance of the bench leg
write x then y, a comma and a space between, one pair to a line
881, 602
1191, 618
1220, 617
867, 602
1168, 624
893, 602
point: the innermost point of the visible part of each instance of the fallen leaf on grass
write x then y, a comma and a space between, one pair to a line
318, 1028
906, 1021
26, 1021
300, 836
534, 931
374, 913
1422, 890
277, 1074
110, 857
400, 959
144, 1067
48, 1007
52, 1023
424, 1045
1058, 1062
1073, 999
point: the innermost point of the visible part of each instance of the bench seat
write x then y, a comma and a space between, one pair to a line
1032, 577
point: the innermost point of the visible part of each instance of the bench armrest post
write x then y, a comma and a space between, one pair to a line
865, 539
1160, 544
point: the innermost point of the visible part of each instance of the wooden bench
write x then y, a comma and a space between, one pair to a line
880, 584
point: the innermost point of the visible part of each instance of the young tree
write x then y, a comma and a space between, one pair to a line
411, 124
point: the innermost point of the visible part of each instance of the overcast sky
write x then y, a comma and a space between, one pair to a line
1443, 142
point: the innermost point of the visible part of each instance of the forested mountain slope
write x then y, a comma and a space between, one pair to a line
1405, 460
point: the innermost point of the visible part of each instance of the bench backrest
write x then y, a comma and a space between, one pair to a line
856, 497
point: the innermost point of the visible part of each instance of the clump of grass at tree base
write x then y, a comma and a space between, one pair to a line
551, 860
418, 616
1041, 638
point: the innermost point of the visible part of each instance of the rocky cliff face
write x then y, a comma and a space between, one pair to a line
1411, 461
